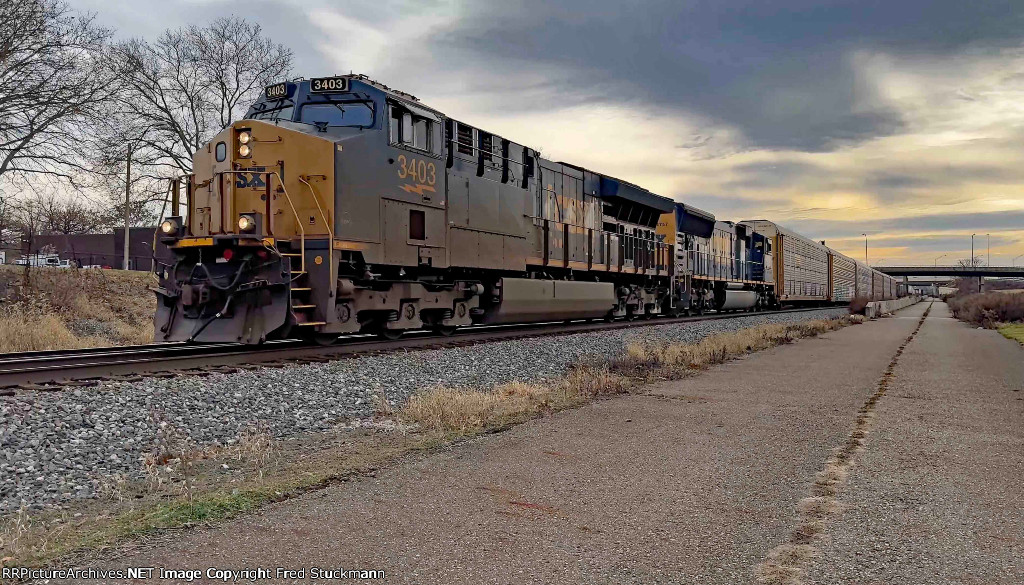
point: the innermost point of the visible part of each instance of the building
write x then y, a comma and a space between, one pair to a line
106, 250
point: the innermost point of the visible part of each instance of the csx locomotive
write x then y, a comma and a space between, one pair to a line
339, 205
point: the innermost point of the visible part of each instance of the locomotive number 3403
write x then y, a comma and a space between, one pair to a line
419, 170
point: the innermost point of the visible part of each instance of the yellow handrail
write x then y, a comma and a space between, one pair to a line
295, 214
327, 224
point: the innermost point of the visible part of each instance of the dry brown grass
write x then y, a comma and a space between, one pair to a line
52, 308
464, 411
670, 360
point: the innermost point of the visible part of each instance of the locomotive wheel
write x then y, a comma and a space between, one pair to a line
445, 330
390, 334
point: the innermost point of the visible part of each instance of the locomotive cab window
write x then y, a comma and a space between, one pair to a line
408, 129
275, 114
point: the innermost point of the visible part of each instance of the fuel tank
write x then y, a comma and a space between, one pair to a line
525, 300
731, 300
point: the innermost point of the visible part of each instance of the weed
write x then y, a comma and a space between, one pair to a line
12, 535
113, 487
256, 445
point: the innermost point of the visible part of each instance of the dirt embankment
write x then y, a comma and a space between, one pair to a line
67, 308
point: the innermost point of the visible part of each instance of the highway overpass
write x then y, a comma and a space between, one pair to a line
952, 271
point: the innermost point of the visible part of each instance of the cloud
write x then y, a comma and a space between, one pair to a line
833, 117
778, 72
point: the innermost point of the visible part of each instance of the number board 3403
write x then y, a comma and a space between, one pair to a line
328, 84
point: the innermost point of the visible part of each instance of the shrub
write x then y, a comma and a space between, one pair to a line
988, 309
858, 304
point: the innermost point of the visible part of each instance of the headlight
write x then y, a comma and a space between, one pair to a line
246, 223
244, 138
169, 226
244, 151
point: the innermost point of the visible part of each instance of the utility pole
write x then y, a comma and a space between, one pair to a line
127, 204
988, 237
865, 248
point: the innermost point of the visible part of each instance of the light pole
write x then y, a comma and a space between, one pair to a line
972, 250
865, 248
988, 237
943, 256
1014, 261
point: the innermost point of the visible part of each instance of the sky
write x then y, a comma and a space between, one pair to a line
902, 120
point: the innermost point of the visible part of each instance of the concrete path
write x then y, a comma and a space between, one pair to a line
695, 482
937, 495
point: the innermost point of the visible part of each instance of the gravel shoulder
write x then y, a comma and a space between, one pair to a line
695, 481
935, 495
59, 447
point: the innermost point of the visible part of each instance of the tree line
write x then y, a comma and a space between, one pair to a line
78, 105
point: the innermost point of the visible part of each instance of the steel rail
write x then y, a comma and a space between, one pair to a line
54, 370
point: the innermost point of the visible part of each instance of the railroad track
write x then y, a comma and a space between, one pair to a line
58, 370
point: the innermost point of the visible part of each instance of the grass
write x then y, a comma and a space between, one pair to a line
461, 411
185, 486
1014, 332
988, 310
54, 308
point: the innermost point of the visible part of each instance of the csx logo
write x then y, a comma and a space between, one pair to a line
250, 180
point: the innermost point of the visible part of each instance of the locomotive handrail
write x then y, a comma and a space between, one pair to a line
327, 224
295, 214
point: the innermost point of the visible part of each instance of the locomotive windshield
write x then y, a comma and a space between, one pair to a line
274, 114
339, 114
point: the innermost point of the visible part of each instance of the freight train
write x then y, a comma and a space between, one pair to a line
339, 205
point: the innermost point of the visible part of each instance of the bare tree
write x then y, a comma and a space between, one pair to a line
67, 216
8, 219
51, 86
968, 284
192, 82
121, 142
47, 212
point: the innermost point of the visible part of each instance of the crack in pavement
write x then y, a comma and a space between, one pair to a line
785, 564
